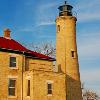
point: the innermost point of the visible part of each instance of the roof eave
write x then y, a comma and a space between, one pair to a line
30, 56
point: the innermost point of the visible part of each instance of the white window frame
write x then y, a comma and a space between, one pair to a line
12, 96
13, 55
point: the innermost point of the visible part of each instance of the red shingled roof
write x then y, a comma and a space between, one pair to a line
11, 44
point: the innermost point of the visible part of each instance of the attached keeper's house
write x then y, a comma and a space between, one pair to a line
27, 74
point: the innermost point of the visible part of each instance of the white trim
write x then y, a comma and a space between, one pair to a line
13, 54
13, 77
11, 96
49, 94
28, 97
16, 56
28, 77
13, 67
49, 81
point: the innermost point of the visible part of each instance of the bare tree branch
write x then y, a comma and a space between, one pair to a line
46, 48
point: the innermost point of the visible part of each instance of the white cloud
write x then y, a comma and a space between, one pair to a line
43, 23
89, 55
90, 49
88, 10
88, 16
91, 79
45, 15
85, 4
25, 29
91, 75
47, 6
89, 45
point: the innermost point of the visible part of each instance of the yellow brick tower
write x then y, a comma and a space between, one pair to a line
66, 51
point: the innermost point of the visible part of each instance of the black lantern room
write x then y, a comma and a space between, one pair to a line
65, 10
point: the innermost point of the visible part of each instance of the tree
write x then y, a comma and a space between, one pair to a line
45, 48
90, 95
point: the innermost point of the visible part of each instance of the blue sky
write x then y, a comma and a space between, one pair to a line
34, 21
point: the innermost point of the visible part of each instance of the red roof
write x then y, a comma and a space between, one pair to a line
11, 44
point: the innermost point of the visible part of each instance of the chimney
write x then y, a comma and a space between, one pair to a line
7, 33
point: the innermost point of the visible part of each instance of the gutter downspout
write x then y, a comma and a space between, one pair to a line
23, 65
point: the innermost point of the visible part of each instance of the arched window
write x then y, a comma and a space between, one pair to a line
58, 28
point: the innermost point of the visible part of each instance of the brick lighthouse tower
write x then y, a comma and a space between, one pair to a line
66, 51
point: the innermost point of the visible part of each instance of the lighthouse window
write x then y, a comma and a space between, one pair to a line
73, 53
58, 28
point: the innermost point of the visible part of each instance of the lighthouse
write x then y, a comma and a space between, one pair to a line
66, 51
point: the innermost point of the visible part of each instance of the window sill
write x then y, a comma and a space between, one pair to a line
12, 96
73, 57
28, 97
49, 95
13, 68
